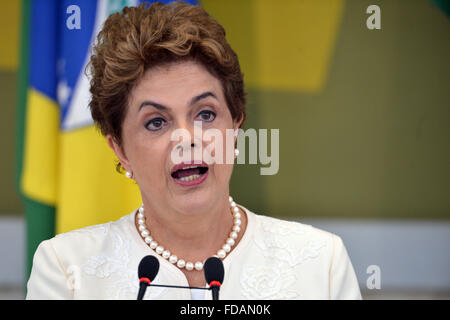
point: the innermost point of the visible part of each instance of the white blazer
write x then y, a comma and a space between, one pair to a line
275, 259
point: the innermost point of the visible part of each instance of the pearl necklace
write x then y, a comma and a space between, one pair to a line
180, 263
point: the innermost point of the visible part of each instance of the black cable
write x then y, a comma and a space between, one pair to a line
181, 287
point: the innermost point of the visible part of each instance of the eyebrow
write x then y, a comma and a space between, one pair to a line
193, 101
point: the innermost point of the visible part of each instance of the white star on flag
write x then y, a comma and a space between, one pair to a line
63, 92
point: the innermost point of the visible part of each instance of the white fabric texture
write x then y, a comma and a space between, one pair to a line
275, 259
197, 294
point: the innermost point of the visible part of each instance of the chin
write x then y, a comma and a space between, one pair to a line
196, 201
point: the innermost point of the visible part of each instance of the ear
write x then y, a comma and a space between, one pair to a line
236, 125
119, 152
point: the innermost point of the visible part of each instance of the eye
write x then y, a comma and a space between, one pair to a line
155, 124
207, 115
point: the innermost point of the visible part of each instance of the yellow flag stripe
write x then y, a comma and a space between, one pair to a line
39, 174
282, 45
295, 40
74, 171
90, 189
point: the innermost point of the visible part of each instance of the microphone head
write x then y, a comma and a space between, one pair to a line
214, 270
148, 267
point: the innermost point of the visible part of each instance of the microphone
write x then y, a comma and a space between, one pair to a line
214, 273
147, 271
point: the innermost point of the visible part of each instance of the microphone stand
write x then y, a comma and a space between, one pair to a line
179, 287
144, 285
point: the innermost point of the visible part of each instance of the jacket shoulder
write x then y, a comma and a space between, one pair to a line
76, 245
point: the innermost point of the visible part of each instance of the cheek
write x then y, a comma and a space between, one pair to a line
224, 169
220, 146
222, 173
151, 161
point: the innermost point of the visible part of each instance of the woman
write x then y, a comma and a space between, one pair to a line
154, 71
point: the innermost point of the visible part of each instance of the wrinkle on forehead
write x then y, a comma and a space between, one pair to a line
175, 75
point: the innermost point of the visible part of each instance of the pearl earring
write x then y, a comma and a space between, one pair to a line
128, 174
236, 152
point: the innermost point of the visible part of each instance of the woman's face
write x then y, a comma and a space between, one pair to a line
169, 98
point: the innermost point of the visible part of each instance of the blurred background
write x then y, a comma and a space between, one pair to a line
363, 116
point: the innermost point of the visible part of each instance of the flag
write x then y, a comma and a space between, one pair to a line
66, 173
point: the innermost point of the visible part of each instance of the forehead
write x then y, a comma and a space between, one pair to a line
175, 83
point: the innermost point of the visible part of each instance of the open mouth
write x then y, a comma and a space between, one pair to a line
188, 173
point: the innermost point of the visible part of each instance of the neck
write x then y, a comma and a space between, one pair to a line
191, 237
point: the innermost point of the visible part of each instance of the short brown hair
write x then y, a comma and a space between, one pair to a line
139, 38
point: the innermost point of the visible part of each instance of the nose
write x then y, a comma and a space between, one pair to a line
179, 146
191, 141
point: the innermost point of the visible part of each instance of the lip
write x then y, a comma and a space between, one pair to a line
193, 182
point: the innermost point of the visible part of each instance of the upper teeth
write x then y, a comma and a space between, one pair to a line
190, 167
